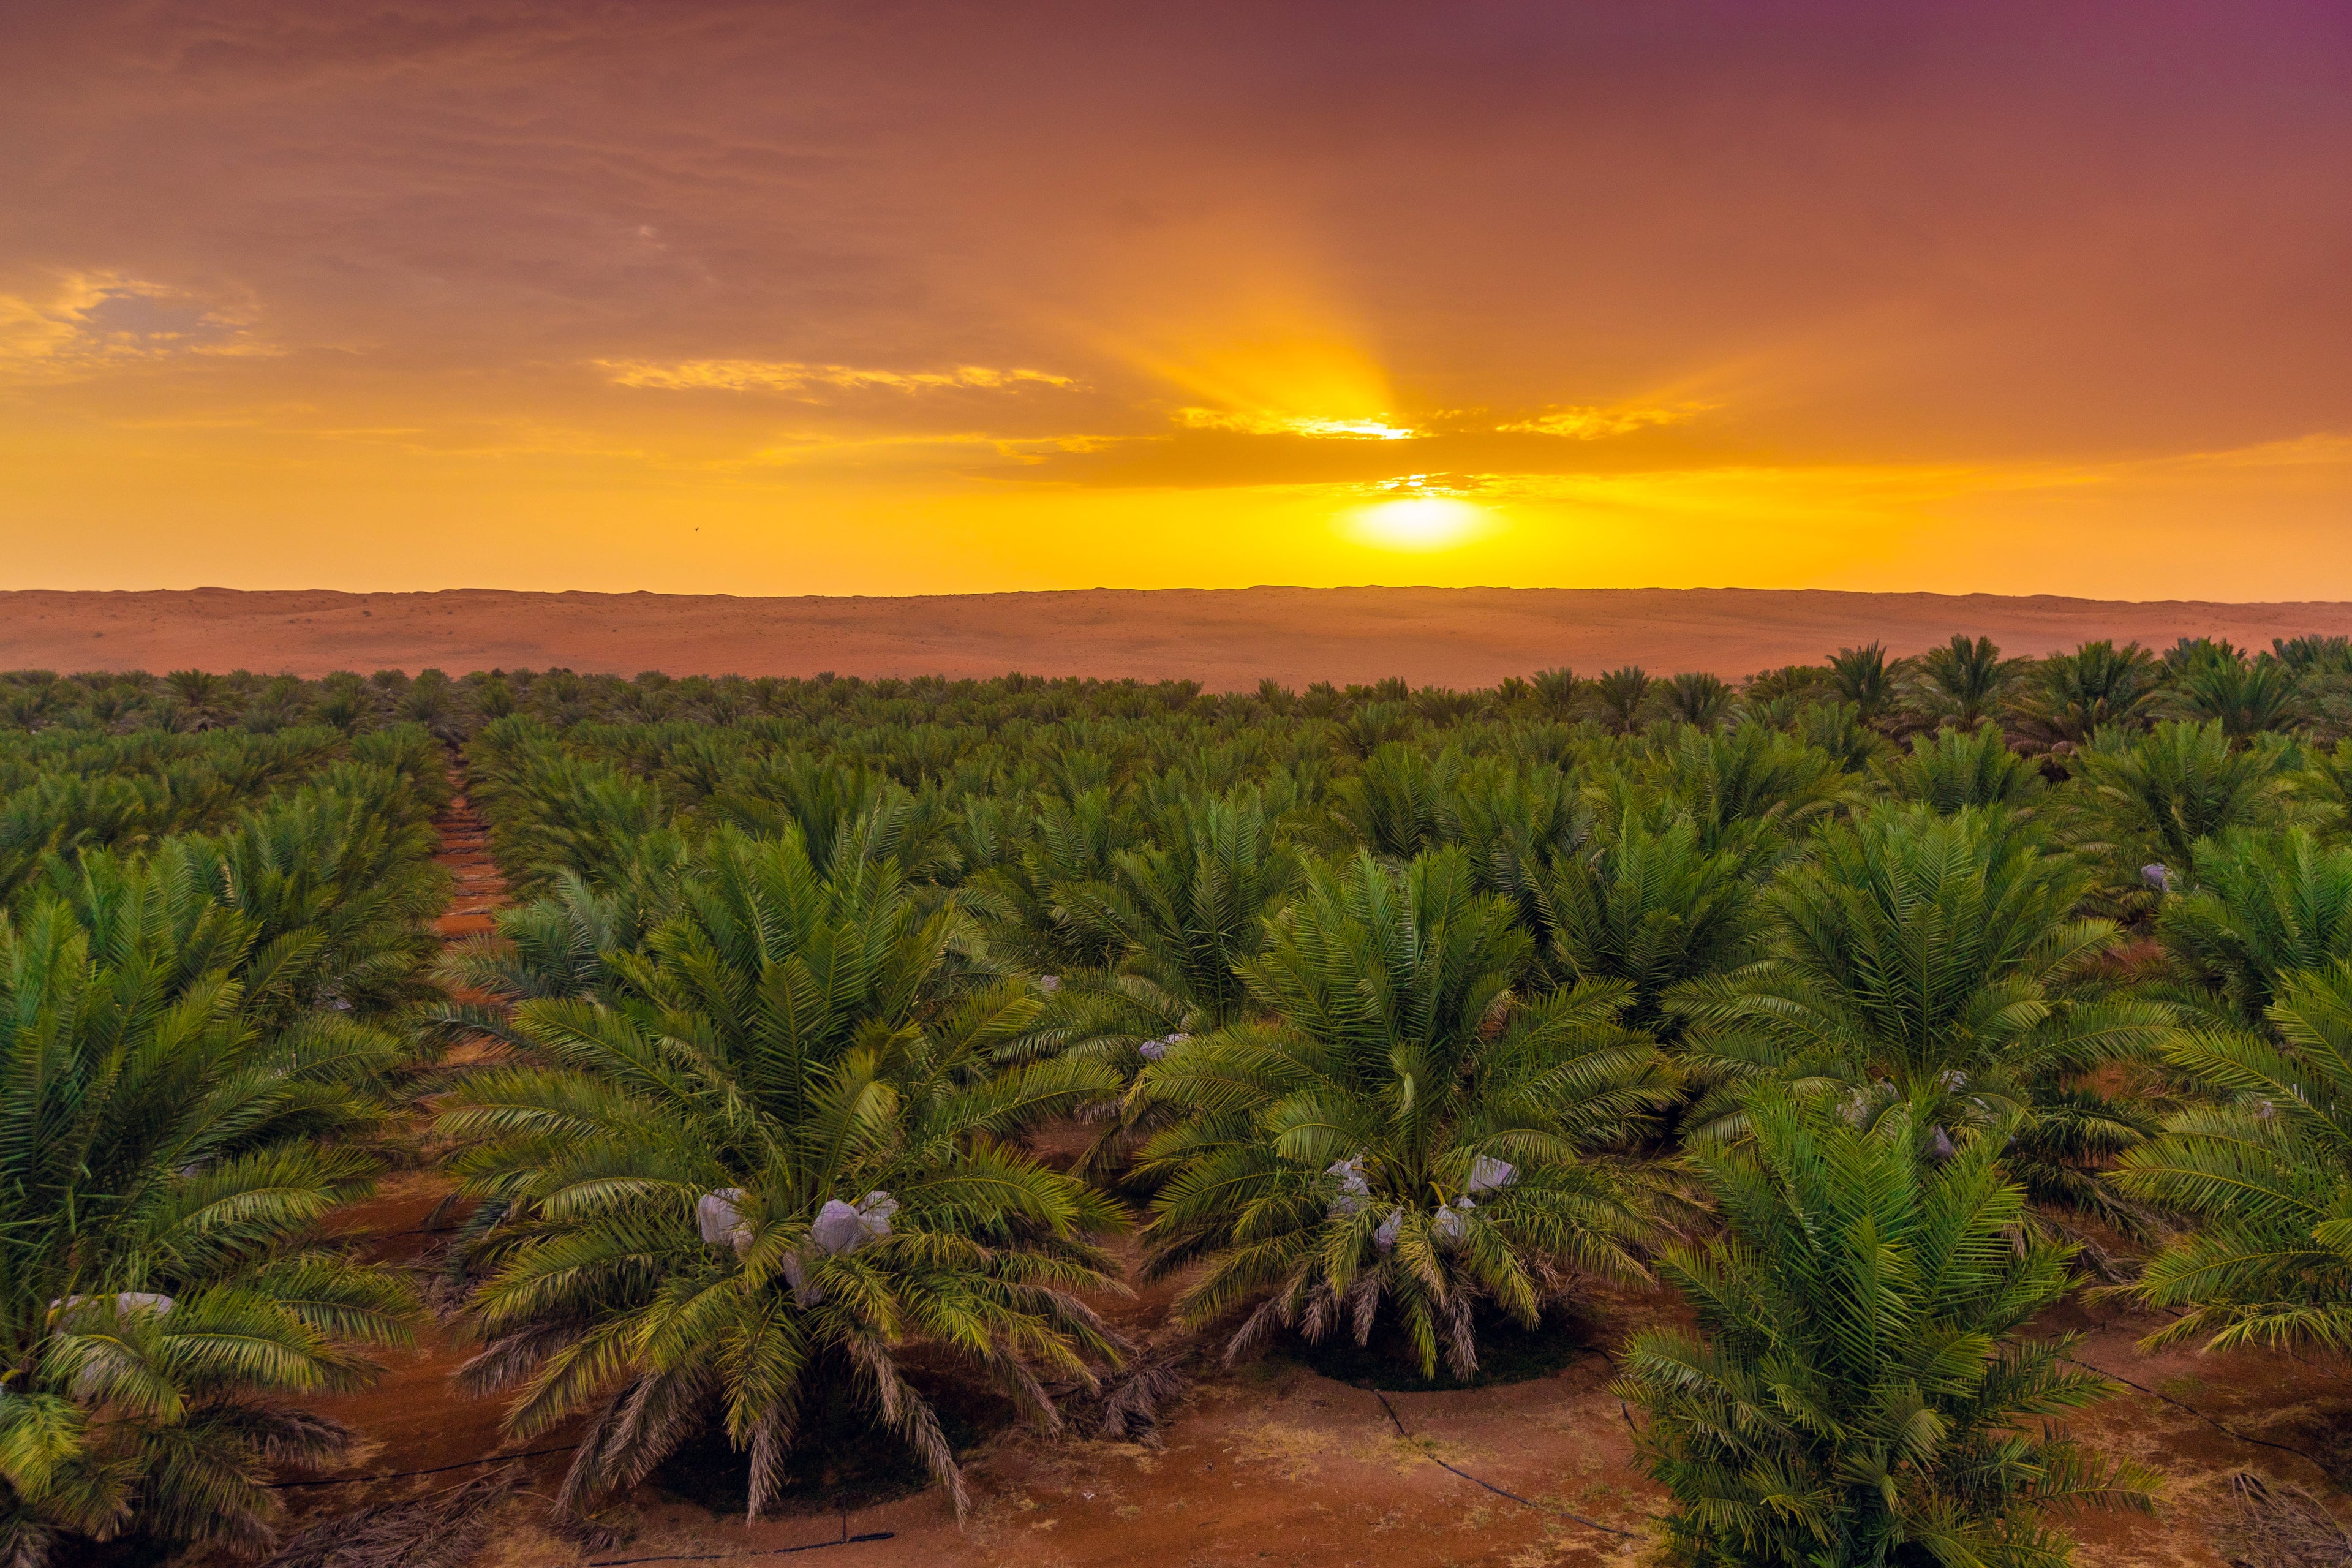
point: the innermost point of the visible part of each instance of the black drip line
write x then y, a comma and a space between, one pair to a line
1474, 1480
2226, 1430
435, 1470
846, 1540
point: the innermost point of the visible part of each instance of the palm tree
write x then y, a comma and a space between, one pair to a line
1623, 695
774, 1154
1649, 908
1933, 960
2245, 698
1750, 789
1962, 682
2070, 697
839, 810
561, 945
341, 889
1396, 805
1065, 859
2264, 907
2145, 801
1837, 730
2266, 1173
1406, 1136
1952, 769
1517, 821
1863, 1393
1776, 695
1702, 701
1557, 690
1865, 677
1177, 919
160, 1287
550, 812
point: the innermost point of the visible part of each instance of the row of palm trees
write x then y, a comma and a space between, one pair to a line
204, 1035
2063, 697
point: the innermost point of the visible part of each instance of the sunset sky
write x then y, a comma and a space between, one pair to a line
889, 297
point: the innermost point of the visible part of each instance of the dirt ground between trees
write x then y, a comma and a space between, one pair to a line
1226, 638
1269, 1464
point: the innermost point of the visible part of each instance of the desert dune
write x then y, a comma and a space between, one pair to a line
1225, 638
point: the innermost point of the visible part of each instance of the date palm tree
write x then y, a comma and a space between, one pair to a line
1955, 768
1751, 790
2068, 698
1623, 697
1178, 919
773, 1153
1866, 678
2147, 800
1406, 1136
1961, 683
1702, 701
1918, 960
1861, 1390
2246, 697
2265, 1170
162, 1294
1064, 844
1649, 908
2264, 907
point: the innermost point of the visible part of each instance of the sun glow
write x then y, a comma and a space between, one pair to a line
1415, 522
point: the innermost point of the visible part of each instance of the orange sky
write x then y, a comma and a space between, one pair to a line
906, 297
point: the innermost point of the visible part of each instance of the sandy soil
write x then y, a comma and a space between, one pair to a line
1227, 638
1270, 1465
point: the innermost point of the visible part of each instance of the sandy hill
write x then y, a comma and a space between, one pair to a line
1225, 638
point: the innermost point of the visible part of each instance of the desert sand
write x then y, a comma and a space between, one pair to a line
1225, 638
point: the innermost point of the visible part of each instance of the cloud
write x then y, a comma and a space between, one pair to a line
1263, 424
795, 376
90, 323
1578, 423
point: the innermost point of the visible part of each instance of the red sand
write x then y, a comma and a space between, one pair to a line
1227, 638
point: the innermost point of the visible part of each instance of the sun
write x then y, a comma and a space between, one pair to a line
1415, 522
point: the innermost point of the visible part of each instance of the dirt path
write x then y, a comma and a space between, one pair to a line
411, 1419
1271, 1466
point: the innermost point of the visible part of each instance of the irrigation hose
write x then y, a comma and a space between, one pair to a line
763, 1551
846, 1539
2226, 1430
1525, 1502
435, 1470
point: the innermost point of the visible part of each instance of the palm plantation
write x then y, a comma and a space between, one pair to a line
846, 1024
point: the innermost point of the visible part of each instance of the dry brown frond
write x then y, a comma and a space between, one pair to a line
438, 1531
2280, 1526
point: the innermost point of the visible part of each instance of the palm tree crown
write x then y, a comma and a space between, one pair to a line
772, 1154
2266, 1172
1406, 1134
1859, 1389
1927, 958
